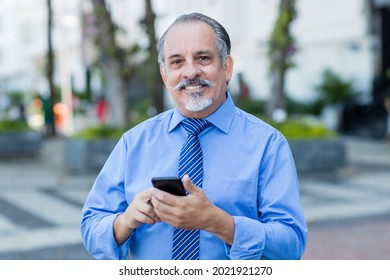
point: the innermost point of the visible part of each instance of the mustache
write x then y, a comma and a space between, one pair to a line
193, 82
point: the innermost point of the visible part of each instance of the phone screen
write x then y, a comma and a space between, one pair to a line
172, 185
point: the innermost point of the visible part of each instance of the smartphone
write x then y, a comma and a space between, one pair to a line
172, 185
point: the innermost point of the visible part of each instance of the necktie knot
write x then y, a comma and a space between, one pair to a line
195, 126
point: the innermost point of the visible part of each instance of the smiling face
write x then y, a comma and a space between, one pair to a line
192, 72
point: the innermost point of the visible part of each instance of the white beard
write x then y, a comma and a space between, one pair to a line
198, 102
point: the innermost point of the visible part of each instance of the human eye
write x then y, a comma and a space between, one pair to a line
204, 59
175, 63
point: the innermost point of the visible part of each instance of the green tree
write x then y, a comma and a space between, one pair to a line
50, 71
281, 50
333, 90
115, 63
155, 83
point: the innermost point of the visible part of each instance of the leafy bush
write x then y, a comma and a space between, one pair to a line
291, 129
295, 107
255, 107
100, 131
294, 129
12, 126
333, 89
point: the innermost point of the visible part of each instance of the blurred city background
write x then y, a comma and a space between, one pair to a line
76, 74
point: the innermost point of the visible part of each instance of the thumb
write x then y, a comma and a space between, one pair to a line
188, 185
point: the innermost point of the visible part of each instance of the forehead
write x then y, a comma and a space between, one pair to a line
187, 37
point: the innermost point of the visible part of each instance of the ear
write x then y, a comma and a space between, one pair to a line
229, 68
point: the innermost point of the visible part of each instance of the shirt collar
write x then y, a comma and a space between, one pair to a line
222, 118
175, 120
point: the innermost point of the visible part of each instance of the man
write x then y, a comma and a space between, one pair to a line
245, 204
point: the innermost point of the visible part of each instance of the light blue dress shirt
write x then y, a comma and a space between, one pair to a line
249, 172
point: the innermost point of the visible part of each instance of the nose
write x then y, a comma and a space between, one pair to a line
191, 71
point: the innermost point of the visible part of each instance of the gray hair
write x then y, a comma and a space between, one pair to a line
222, 37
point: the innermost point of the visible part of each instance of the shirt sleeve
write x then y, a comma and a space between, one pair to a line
105, 201
280, 232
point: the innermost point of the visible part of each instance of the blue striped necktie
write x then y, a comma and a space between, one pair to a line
186, 242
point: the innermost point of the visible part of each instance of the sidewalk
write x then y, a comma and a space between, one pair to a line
360, 189
40, 206
45, 171
348, 212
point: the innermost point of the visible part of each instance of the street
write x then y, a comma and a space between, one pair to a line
347, 211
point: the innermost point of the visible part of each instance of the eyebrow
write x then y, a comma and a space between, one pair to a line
174, 56
205, 52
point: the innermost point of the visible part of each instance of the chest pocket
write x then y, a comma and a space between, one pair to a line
236, 196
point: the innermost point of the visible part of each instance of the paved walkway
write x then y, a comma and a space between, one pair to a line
40, 204
348, 211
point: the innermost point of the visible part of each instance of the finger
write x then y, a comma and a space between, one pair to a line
165, 197
174, 216
143, 218
163, 211
188, 185
148, 210
146, 194
141, 207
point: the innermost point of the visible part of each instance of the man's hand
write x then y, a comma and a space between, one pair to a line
140, 211
180, 211
194, 211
